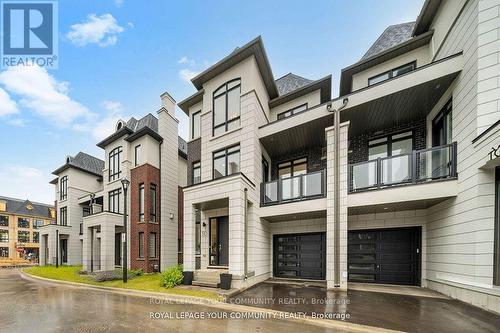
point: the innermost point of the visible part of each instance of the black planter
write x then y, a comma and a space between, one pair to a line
225, 281
188, 278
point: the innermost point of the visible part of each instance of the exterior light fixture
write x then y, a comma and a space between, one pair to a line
125, 185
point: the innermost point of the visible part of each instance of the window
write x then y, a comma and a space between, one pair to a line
226, 162
198, 232
196, 172
85, 211
391, 145
37, 224
292, 168
63, 216
36, 237
141, 202
392, 73
23, 222
114, 201
4, 252
4, 221
152, 203
152, 245
63, 188
23, 236
226, 107
291, 112
4, 236
179, 245
441, 126
114, 163
137, 155
141, 245
196, 125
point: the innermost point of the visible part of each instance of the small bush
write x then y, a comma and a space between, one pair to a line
116, 274
172, 276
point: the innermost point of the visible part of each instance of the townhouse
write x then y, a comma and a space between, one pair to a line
90, 198
402, 190
19, 224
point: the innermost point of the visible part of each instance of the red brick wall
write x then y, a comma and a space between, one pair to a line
180, 210
147, 175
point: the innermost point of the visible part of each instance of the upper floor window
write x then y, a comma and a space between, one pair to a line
226, 107
392, 73
226, 162
141, 202
292, 168
196, 125
37, 224
23, 222
114, 201
114, 163
63, 216
391, 145
36, 237
152, 203
4, 221
137, 155
152, 245
4, 252
23, 236
288, 113
4, 236
196, 172
141, 245
441, 126
63, 188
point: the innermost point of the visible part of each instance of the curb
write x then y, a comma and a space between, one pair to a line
279, 315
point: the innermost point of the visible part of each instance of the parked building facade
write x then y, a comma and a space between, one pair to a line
20, 221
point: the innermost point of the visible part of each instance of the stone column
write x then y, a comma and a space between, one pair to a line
87, 234
236, 233
108, 246
41, 251
189, 245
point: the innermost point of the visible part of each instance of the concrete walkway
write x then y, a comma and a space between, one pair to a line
427, 312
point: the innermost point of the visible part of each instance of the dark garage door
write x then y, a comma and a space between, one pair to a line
385, 256
300, 256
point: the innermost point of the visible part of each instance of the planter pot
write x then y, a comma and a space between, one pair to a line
225, 281
188, 278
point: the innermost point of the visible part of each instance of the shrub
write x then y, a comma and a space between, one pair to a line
116, 274
172, 276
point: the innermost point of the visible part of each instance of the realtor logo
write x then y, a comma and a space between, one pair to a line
29, 33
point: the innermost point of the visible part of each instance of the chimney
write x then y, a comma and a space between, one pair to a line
168, 103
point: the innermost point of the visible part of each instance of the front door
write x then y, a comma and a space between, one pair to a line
219, 241
118, 249
63, 245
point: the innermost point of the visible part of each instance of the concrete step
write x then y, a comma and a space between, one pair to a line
204, 283
208, 274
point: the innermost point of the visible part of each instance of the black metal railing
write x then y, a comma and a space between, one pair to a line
307, 186
436, 163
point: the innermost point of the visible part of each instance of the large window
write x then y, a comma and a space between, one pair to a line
4, 252
226, 162
226, 107
114, 163
23, 236
391, 145
63, 188
392, 73
141, 245
442, 126
37, 224
292, 168
4, 221
4, 236
36, 237
114, 201
152, 203
291, 112
141, 202
63, 216
198, 232
196, 125
23, 222
152, 245
137, 155
196, 172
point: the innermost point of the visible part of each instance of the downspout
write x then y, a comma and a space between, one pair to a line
245, 221
336, 188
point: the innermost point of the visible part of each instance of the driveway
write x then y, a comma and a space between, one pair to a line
34, 306
385, 310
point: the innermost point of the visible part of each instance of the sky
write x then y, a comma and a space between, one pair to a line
117, 56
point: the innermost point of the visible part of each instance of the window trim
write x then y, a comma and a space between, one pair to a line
136, 160
116, 152
140, 253
225, 157
390, 73
152, 234
226, 93
292, 110
292, 164
113, 193
193, 169
389, 141
153, 209
192, 125
141, 202
63, 188
63, 218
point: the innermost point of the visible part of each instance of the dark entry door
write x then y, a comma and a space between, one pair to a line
63, 245
118, 250
385, 256
300, 256
219, 241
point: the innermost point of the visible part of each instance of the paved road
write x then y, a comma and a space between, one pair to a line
33, 306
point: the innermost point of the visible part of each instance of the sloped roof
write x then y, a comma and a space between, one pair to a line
392, 36
20, 207
291, 82
84, 162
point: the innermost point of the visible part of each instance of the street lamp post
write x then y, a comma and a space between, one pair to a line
125, 185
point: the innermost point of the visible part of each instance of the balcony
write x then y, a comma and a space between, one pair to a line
297, 188
419, 166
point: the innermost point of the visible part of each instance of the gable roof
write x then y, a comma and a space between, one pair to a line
426, 16
20, 207
84, 162
291, 82
392, 36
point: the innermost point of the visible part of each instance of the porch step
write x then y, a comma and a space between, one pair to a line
205, 283
211, 275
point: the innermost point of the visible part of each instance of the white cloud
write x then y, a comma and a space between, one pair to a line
118, 3
105, 126
26, 182
42, 93
187, 74
7, 105
19, 122
101, 30
186, 60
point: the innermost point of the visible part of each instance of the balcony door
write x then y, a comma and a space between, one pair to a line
441, 135
289, 172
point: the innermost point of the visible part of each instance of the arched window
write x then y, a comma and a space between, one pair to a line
114, 163
63, 188
226, 107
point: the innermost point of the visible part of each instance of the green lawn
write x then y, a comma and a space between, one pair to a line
146, 282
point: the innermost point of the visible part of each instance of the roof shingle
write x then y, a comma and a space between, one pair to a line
20, 207
392, 36
291, 82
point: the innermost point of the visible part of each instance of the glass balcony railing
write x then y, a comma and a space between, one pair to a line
419, 166
296, 188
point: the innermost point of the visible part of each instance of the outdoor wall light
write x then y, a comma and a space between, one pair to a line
171, 216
